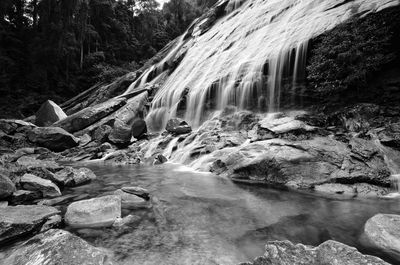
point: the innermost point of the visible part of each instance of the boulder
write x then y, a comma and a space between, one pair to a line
328, 253
71, 177
54, 221
284, 125
382, 232
23, 196
139, 128
11, 126
178, 126
56, 201
44, 186
101, 133
7, 187
56, 247
159, 159
87, 116
131, 201
138, 191
121, 133
31, 163
53, 138
97, 212
16, 221
48, 114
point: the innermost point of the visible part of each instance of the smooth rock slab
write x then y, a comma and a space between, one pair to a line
16, 221
97, 212
57, 247
382, 232
44, 186
328, 253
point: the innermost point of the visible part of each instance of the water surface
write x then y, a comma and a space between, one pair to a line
201, 218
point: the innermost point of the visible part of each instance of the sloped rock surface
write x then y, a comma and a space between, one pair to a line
48, 114
57, 247
53, 138
43, 186
16, 221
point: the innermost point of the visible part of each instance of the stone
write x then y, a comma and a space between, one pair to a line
159, 159
9, 126
284, 125
71, 177
48, 114
120, 222
131, 201
138, 191
139, 128
53, 222
54, 138
84, 140
105, 146
57, 247
328, 253
44, 186
7, 187
101, 133
382, 232
33, 163
87, 116
23, 196
391, 136
56, 201
121, 133
97, 212
178, 126
16, 221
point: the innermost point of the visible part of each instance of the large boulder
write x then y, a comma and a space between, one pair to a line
7, 187
44, 186
328, 253
121, 133
85, 117
71, 177
97, 212
178, 126
382, 232
53, 138
48, 114
56, 247
21, 220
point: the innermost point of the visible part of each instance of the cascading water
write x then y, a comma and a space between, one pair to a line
253, 52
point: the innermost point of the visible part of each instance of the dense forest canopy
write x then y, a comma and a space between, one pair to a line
57, 48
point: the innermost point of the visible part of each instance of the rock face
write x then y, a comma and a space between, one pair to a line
97, 212
328, 253
44, 186
21, 220
7, 187
382, 232
53, 138
48, 114
57, 247
71, 177
178, 126
131, 201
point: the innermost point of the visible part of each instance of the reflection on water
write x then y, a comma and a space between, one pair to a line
205, 219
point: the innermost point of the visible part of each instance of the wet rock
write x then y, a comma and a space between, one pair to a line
53, 138
97, 212
125, 221
7, 187
53, 222
44, 186
159, 159
368, 190
391, 136
284, 125
382, 232
71, 177
121, 133
101, 133
139, 128
16, 221
328, 253
11, 126
105, 146
178, 126
56, 201
22, 196
85, 117
56, 247
48, 114
138, 191
131, 201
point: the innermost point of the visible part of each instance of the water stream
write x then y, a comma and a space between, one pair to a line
199, 218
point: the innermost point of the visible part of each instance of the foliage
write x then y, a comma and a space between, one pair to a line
347, 57
56, 49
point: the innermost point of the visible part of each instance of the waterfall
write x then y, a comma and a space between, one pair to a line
250, 55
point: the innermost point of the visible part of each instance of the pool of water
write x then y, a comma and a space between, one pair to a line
201, 218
